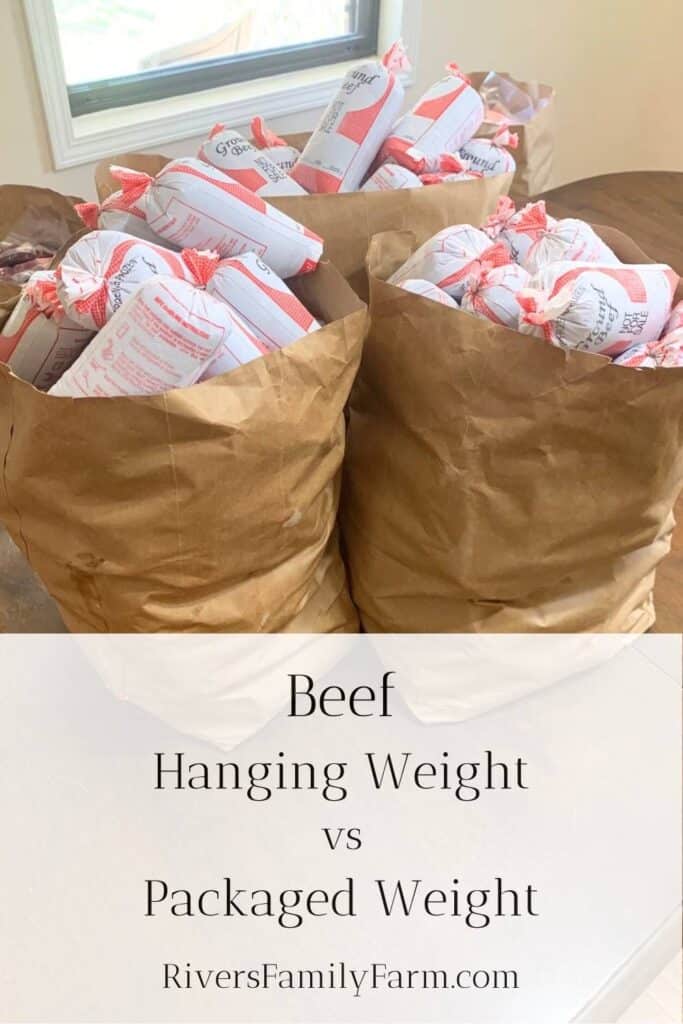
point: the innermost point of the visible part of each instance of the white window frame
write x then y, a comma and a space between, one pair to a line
76, 141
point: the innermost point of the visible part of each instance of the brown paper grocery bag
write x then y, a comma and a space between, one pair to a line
36, 215
498, 484
535, 152
347, 222
211, 508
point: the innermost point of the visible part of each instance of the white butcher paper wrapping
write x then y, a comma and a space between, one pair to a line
440, 177
429, 291
446, 167
448, 258
391, 176
598, 309
443, 120
675, 321
638, 357
242, 346
492, 293
111, 215
667, 353
441, 164
102, 269
568, 239
166, 335
489, 156
194, 205
262, 301
39, 342
276, 149
445, 163
231, 153
519, 229
343, 147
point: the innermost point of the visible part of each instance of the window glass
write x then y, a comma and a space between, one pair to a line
102, 39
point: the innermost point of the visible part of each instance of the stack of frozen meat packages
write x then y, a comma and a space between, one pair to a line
368, 165
553, 279
121, 315
201, 243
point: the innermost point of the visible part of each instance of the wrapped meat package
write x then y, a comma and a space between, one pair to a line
598, 309
440, 177
519, 229
667, 352
390, 176
675, 321
489, 156
102, 269
263, 301
445, 167
39, 342
231, 153
428, 291
444, 119
343, 147
638, 357
439, 165
113, 215
492, 293
194, 205
276, 149
568, 239
240, 347
448, 258
165, 336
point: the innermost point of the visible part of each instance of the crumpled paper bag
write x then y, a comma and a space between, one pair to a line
36, 215
207, 509
535, 152
495, 483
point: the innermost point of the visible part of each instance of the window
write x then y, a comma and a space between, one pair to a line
121, 52
118, 76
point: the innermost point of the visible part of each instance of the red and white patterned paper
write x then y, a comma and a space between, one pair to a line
449, 257
443, 120
193, 205
342, 149
262, 300
230, 152
168, 334
603, 309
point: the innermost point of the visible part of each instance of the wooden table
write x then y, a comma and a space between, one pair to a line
648, 207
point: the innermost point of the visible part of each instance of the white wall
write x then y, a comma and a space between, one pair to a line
616, 65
